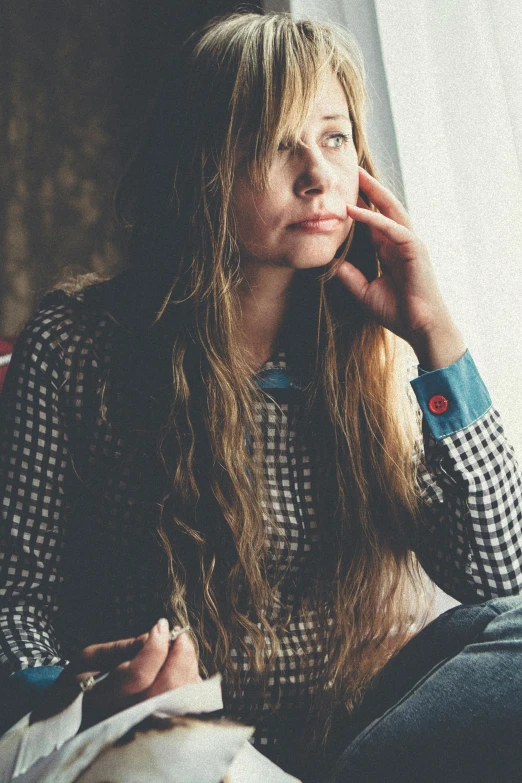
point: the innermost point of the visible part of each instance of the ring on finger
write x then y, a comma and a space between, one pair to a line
87, 683
177, 632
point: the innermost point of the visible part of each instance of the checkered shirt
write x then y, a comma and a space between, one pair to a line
72, 573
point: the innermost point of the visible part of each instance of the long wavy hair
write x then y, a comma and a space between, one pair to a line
248, 80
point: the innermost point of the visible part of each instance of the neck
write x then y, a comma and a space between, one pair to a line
263, 298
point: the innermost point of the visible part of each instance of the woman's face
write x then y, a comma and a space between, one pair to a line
300, 220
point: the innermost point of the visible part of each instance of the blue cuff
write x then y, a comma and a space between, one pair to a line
22, 691
461, 386
37, 678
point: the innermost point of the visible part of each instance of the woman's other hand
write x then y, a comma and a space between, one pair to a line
406, 298
139, 669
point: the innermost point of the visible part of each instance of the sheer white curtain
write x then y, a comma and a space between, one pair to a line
446, 124
454, 74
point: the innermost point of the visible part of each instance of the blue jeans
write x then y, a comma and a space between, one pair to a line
448, 708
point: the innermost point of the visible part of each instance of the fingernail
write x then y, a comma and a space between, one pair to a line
162, 626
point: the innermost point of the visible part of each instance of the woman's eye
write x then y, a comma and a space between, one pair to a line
338, 140
283, 145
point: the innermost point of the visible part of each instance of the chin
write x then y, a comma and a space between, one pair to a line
317, 256
311, 264
313, 260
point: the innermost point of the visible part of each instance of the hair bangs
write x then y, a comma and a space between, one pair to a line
278, 70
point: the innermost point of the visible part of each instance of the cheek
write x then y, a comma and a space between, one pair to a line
246, 210
353, 193
351, 178
256, 223
252, 208
265, 213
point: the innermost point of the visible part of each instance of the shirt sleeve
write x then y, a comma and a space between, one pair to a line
33, 458
471, 487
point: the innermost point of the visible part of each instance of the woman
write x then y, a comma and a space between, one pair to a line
217, 435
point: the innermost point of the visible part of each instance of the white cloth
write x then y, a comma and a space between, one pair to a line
163, 750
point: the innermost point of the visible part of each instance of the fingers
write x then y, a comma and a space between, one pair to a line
384, 200
137, 675
130, 681
91, 660
354, 280
146, 666
180, 667
389, 228
101, 657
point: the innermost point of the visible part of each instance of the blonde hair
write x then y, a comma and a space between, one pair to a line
236, 81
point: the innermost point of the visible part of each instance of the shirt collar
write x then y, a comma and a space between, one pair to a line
274, 374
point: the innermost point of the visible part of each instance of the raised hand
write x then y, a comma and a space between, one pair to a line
406, 298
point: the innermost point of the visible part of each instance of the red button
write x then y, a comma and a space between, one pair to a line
438, 404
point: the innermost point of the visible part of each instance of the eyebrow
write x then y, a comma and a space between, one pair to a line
336, 117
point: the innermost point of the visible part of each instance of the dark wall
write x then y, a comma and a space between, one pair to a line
76, 79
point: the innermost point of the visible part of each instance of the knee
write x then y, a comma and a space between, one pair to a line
506, 622
505, 603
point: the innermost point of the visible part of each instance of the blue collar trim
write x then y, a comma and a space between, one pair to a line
276, 378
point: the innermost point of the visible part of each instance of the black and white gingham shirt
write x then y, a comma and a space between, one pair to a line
72, 573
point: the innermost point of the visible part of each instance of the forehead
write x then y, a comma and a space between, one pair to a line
329, 101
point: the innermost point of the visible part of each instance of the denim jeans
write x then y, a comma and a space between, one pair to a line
447, 708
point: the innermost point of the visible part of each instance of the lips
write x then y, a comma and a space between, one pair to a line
316, 219
321, 221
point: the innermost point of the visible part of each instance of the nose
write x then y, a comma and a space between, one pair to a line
315, 173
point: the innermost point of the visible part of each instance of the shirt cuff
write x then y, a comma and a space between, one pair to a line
451, 398
36, 678
22, 690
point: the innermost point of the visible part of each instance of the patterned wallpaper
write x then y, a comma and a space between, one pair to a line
75, 81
